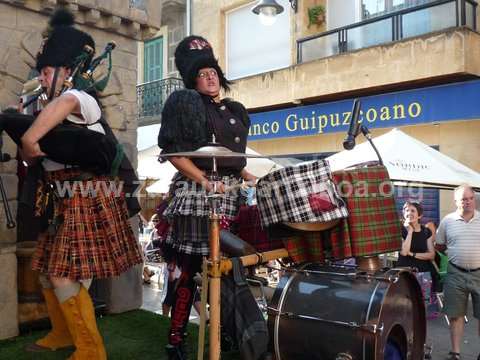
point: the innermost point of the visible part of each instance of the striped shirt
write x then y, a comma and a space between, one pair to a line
462, 239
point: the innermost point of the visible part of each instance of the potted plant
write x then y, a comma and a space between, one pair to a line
316, 15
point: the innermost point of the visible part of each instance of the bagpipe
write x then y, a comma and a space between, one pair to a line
74, 144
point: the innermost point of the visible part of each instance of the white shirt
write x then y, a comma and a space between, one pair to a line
462, 239
90, 115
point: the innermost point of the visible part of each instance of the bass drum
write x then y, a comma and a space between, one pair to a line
339, 313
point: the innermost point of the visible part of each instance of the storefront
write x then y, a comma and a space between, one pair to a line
445, 117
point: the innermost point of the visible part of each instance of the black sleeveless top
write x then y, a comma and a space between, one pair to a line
419, 245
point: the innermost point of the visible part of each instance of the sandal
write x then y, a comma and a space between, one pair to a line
453, 356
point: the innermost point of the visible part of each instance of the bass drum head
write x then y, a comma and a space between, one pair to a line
337, 313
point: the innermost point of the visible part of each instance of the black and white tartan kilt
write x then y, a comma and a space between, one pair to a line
286, 195
188, 212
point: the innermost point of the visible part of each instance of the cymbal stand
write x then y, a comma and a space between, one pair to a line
214, 266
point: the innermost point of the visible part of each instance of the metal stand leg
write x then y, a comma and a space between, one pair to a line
214, 291
203, 310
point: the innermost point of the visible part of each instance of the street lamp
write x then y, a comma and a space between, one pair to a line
267, 10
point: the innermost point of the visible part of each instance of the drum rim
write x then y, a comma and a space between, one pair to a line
281, 300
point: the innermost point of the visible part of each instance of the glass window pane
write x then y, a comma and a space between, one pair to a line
254, 48
371, 34
320, 47
429, 20
470, 13
373, 7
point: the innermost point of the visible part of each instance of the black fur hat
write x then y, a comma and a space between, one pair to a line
62, 43
194, 53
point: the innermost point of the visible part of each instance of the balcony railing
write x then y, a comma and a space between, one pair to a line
409, 22
151, 96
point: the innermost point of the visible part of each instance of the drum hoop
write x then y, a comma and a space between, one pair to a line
367, 317
313, 226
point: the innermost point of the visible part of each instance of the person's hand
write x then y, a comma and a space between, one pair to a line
250, 180
218, 186
31, 151
408, 225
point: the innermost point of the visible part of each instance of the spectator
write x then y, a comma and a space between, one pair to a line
418, 250
459, 234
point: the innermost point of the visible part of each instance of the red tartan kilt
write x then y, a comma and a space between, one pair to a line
95, 238
373, 224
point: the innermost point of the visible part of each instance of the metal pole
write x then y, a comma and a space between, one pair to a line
214, 288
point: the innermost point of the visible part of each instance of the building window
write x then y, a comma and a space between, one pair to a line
153, 60
138, 4
372, 8
253, 48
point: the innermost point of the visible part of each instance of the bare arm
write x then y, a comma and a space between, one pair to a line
190, 170
52, 115
430, 254
407, 243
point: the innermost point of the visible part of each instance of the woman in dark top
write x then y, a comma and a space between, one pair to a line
417, 248
192, 118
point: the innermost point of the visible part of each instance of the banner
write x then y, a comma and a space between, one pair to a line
435, 104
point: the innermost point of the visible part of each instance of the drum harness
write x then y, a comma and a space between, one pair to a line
370, 328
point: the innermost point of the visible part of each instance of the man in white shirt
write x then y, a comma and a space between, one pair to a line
459, 234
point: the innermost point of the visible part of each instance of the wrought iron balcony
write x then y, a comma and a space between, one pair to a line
410, 22
151, 97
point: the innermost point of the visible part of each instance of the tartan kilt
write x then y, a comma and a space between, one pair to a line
289, 195
188, 213
373, 226
93, 237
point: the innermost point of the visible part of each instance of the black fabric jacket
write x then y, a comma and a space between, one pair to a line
184, 121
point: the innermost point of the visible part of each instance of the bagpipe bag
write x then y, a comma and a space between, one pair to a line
66, 143
77, 145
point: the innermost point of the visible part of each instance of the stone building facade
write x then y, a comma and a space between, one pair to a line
21, 24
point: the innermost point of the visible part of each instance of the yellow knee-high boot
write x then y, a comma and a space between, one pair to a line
59, 336
80, 316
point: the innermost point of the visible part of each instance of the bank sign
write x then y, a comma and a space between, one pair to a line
459, 101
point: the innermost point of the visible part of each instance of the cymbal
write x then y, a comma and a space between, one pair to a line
212, 152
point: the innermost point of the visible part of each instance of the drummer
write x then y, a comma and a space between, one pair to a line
191, 118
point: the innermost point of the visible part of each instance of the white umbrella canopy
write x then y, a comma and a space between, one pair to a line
409, 162
260, 166
149, 167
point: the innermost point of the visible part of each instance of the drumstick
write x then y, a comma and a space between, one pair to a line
243, 185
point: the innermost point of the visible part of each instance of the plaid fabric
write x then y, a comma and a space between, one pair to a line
247, 226
188, 213
283, 195
93, 237
306, 246
190, 199
373, 226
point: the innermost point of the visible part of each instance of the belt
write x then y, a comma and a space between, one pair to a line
463, 269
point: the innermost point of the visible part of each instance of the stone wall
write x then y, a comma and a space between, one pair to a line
173, 16
21, 23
